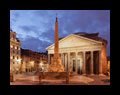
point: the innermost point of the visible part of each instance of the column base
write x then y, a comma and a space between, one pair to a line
84, 74
101, 74
92, 74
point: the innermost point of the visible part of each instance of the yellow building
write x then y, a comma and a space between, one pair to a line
15, 53
32, 61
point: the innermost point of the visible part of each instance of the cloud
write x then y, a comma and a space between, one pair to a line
35, 44
39, 25
49, 35
14, 16
30, 28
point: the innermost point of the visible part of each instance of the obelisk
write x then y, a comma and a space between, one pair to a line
56, 65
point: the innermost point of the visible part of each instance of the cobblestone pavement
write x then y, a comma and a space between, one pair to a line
30, 79
100, 80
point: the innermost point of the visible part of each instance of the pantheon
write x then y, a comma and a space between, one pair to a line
82, 53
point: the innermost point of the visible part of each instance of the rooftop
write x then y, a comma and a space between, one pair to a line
93, 36
28, 50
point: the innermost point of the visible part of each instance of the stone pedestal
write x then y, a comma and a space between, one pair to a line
56, 66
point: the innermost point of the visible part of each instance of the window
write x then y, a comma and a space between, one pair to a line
13, 36
13, 62
73, 65
17, 57
13, 51
13, 46
17, 47
13, 57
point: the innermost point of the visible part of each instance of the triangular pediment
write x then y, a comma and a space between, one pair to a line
74, 41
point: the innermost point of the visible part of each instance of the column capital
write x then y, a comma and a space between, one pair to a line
61, 52
92, 51
84, 51
76, 52
68, 52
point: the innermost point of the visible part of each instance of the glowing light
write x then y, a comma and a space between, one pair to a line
18, 60
11, 46
41, 64
32, 63
11, 57
17, 69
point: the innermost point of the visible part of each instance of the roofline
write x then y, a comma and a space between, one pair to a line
33, 51
77, 36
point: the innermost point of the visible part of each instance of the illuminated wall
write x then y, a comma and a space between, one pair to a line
15, 53
31, 61
109, 65
104, 58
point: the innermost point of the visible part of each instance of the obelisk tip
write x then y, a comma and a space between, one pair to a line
56, 17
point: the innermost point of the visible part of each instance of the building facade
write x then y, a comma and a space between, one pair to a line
82, 53
108, 63
15, 52
32, 61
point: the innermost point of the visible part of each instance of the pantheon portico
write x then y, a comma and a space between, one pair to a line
82, 53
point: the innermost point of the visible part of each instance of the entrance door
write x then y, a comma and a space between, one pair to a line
96, 62
73, 65
79, 67
88, 61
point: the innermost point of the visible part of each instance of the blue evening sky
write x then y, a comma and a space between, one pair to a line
35, 28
